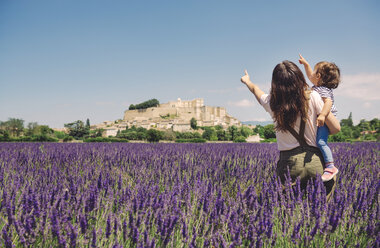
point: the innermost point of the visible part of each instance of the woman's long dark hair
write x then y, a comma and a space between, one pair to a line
287, 95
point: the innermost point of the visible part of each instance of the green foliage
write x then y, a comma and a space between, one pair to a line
104, 139
88, 124
43, 138
96, 133
339, 137
168, 116
77, 129
67, 138
196, 140
14, 126
218, 127
144, 105
34, 138
4, 135
12, 129
193, 123
269, 132
45, 130
240, 139
154, 135
222, 135
259, 130
188, 135
234, 132
133, 133
246, 131
32, 129
210, 134
347, 122
364, 131
168, 135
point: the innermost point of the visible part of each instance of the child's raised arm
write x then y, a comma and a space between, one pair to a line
309, 70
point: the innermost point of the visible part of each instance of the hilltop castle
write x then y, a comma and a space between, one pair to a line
174, 115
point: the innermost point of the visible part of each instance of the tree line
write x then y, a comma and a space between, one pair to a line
144, 105
15, 130
363, 131
216, 133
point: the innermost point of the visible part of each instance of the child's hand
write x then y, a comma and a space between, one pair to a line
321, 120
302, 60
245, 79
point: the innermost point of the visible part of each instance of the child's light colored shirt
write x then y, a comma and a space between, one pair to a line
325, 92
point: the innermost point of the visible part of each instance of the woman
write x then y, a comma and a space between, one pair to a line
294, 110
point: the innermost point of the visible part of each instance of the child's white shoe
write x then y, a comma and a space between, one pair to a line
329, 173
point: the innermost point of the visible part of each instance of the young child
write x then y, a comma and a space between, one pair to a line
325, 77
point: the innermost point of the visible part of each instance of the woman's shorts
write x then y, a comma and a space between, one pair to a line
305, 162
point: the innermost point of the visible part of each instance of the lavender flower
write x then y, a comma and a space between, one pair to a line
7, 239
108, 227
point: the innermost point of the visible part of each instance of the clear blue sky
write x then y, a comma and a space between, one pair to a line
61, 61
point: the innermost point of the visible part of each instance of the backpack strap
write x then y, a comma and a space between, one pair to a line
299, 136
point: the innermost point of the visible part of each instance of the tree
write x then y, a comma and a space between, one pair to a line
218, 127
193, 123
234, 132
364, 125
32, 129
96, 133
131, 135
4, 135
143, 135
240, 139
45, 130
346, 133
246, 131
88, 124
347, 122
14, 126
221, 134
339, 137
60, 134
153, 135
269, 132
141, 130
77, 129
259, 130
168, 135
210, 134
144, 105
375, 124
355, 132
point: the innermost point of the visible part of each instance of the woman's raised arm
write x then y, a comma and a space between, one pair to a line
332, 123
251, 86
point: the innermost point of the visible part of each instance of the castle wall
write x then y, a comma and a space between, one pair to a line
148, 113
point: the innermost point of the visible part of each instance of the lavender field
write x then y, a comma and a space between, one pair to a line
181, 195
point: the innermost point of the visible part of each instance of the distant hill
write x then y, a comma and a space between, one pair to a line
255, 123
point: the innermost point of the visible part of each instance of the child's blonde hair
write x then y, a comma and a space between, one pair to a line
330, 74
